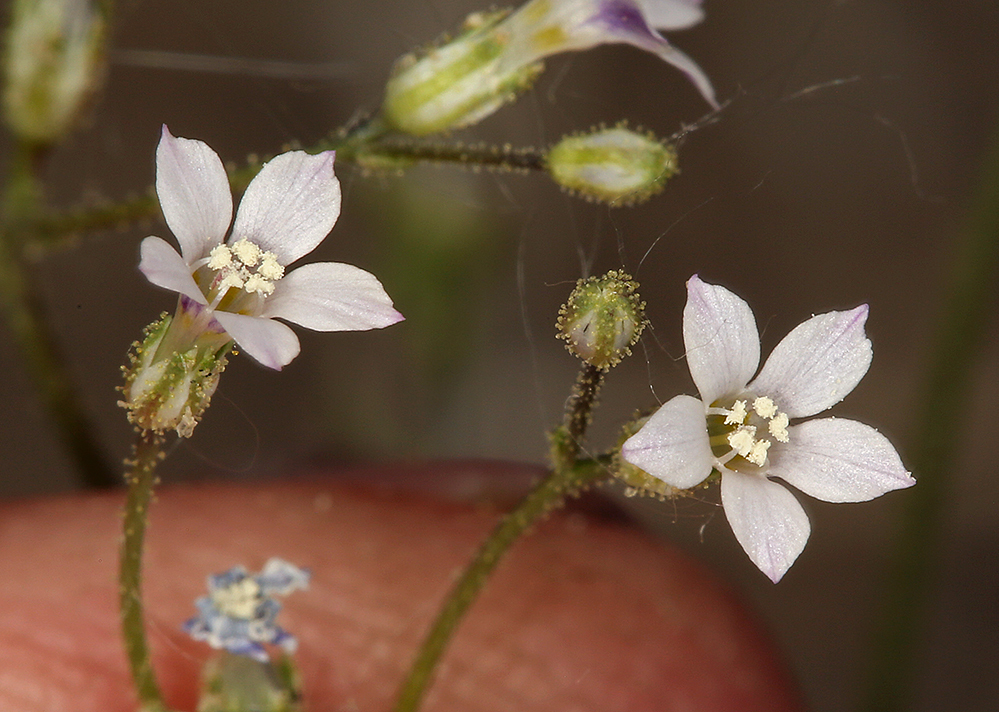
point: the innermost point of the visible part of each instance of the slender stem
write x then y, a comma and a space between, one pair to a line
478, 155
141, 479
967, 315
567, 477
547, 495
26, 316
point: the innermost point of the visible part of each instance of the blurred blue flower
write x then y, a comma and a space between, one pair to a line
239, 611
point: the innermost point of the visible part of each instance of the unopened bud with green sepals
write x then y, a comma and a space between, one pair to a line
616, 166
602, 319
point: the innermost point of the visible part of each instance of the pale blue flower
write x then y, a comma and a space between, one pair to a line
239, 611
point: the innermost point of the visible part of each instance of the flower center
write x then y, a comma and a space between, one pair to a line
239, 599
742, 433
243, 275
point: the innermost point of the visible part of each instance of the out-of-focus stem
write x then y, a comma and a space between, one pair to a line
969, 307
26, 317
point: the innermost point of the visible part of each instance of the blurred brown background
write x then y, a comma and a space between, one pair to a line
839, 174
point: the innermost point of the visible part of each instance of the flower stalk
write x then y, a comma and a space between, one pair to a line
609, 304
545, 497
140, 478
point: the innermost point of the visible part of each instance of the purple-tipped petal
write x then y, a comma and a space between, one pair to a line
270, 342
672, 14
721, 340
193, 190
626, 21
839, 460
542, 28
291, 206
767, 521
673, 445
816, 365
165, 268
330, 296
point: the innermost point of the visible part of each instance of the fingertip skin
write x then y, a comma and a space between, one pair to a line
584, 614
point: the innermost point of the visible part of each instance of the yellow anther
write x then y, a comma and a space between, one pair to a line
778, 427
764, 407
743, 439
221, 257
737, 416
247, 252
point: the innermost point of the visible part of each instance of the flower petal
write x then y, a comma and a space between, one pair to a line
165, 268
626, 21
673, 444
270, 342
194, 195
330, 296
839, 460
816, 365
672, 14
542, 28
280, 577
721, 340
767, 521
291, 206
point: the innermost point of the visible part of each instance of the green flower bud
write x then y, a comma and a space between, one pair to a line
616, 166
602, 319
52, 64
171, 378
458, 83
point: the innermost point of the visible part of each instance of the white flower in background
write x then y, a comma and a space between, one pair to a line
741, 429
239, 285
500, 54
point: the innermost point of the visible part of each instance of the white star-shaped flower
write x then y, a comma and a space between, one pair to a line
239, 285
740, 427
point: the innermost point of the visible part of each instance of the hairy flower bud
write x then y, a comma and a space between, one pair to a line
52, 64
616, 166
172, 377
458, 83
602, 319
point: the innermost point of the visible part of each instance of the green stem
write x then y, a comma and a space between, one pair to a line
480, 155
967, 315
26, 317
568, 477
141, 479
547, 495
360, 141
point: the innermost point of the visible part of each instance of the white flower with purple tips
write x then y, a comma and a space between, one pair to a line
239, 286
239, 611
741, 427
